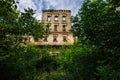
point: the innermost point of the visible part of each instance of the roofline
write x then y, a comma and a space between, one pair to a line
52, 10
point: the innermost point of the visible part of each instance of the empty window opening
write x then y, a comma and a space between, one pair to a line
64, 38
64, 18
48, 18
64, 27
56, 18
55, 27
45, 39
54, 38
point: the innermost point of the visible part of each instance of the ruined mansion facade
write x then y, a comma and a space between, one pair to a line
59, 25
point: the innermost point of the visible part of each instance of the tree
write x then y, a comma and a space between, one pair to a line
8, 15
29, 25
16, 60
97, 23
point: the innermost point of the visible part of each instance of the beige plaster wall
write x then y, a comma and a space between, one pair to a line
60, 33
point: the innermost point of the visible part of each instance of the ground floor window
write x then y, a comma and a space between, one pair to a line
54, 38
64, 38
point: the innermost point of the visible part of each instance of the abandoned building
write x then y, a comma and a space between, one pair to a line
59, 28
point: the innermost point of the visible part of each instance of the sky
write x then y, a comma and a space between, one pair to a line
39, 5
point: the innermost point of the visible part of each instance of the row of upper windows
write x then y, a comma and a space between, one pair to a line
63, 27
56, 27
56, 18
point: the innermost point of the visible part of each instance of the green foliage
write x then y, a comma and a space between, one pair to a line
17, 63
28, 25
26, 63
17, 60
97, 24
94, 57
78, 62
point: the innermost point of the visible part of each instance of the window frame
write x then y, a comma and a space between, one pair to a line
55, 27
64, 27
45, 39
56, 18
64, 38
49, 18
63, 18
54, 38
